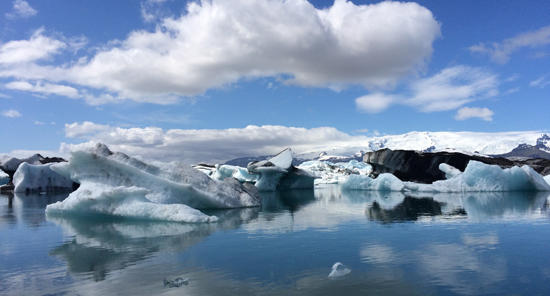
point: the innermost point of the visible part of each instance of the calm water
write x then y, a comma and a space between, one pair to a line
492, 244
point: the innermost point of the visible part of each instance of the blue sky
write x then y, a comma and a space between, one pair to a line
442, 66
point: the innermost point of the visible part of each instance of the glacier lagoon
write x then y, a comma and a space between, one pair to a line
392, 243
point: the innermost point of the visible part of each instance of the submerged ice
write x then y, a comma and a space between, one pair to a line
118, 185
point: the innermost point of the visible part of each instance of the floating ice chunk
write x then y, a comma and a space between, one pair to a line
480, 177
356, 167
338, 270
230, 171
449, 170
40, 178
477, 177
334, 173
96, 199
547, 179
4, 178
278, 173
384, 182
112, 184
268, 177
282, 159
170, 184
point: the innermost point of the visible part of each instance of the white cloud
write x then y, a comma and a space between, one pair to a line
452, 88
449, 89
512, 78
216, 43
500, 52
374, 103
467, 113
540, 82
218, 145
37, 47
21, 9
11, 113
210, 144
511, 90
43, 88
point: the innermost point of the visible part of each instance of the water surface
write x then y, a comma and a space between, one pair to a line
445, 244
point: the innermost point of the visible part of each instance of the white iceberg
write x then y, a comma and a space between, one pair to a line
480, 177
12, 163
4, 178
107, 177
40, 178
477, 177
230, 171
334, 173
384, 182
449, 170
278, 173
95, 199
338, 270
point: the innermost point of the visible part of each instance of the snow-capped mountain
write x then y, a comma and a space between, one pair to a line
465, 142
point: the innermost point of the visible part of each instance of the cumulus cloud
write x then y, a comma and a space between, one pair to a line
37, 47
211, 144
467, 113
216, 43
219, 145
11, 113
500, 52
43, 88
21, 9
449, 89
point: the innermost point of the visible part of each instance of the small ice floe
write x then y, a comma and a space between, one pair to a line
176, 283
338, 270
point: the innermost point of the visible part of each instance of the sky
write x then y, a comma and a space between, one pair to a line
265, 74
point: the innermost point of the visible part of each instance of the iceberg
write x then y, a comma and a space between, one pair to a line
4, 178
334, 173
278, 173
40, 178
121, 186
480, 177
230, 171
384, 182
449, 170
95, 199
338, 270
477, 177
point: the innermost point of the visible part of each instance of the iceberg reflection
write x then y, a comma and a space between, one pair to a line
100, 247
473, 206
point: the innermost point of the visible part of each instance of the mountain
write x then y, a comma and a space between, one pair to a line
540, 150
475, 143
